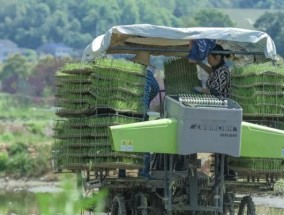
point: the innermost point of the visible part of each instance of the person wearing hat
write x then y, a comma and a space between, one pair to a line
219, 80
218, 84
151, 90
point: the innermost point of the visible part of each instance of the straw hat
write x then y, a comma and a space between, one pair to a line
142, 57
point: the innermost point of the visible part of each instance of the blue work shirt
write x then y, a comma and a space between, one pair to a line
151, 88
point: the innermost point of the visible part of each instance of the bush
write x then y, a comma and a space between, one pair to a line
17, 148
3, 161
6, 137
20, 165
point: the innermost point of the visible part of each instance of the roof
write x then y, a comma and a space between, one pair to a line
248, 45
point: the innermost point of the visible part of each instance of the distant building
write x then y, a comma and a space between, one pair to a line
55, 49
7, 49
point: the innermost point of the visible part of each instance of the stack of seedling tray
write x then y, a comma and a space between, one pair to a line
90, 98
259, 89
180, 76
257, 167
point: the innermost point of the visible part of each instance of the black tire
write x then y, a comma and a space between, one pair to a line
140, 205
247, 206
118, 205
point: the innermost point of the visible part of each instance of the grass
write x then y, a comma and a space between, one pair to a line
26, 136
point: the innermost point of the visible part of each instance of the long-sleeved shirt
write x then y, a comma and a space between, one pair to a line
151, 88
219, 80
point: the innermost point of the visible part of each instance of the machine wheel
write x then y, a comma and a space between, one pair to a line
247, 206
140, 205
118, 205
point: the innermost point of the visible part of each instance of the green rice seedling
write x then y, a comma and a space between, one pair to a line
63, 78
73, 88
118, 85
115, 73
180, 76
73, 99
60, 124
257, 74
99, 131
80, 142
130, 82
119, 92
76, 68
76, 109
263, 165
260, 85
73, 133
120, 64
126, 103
108, 120
99, 149
78, 122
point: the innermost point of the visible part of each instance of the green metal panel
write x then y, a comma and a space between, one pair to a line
261, 141
158, 136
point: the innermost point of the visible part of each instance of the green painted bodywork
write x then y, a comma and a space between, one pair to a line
160, 136
261, 141
157, 136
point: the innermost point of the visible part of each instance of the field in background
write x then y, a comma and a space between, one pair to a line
26, 136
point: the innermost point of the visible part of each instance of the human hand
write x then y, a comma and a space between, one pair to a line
197, 89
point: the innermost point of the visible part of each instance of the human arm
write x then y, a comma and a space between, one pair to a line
205, 67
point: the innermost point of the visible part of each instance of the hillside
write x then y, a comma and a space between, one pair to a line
245, 18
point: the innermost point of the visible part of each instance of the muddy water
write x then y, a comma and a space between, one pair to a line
19, 198
266, 205
24, 202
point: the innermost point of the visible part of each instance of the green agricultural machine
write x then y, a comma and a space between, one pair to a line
196, 141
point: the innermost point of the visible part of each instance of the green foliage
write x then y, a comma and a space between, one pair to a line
212, 18
272, 23
20, 165
14, 74
77, 23
26, 136
68, 202
17, 148
6, 136
264, 4
29, 78
20, 162
3, 160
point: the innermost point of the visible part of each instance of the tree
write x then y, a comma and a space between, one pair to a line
15, 73
42, 78
129, 12
271, 23
264, 4
212, 18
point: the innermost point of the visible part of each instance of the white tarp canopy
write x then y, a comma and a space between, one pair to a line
247, 45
